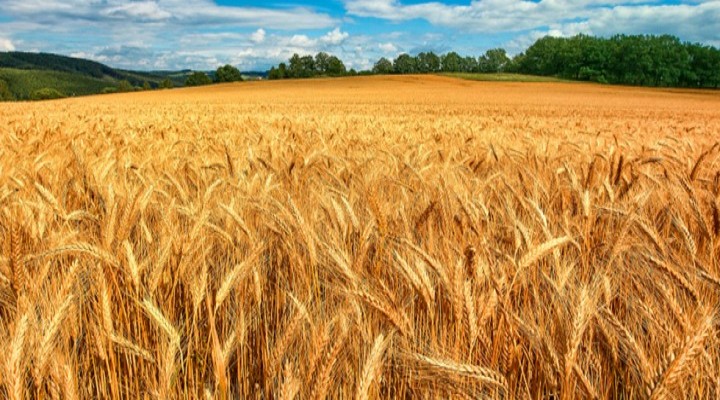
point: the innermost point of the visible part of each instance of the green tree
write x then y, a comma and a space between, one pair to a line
427, 62
516, 64
273, 74
671, 60
282, 71
632, 62
469, 64
5, 93
301, 67
307, 68
198, 79
335, 67
539, 59
494, 60
405, 64
704, 66
125, 86
451, 62
595, 56
146, 86
166, 84
322, 61
228, 73
383, 66
294, 66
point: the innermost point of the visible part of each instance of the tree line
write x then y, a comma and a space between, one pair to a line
224, 74
641, 60
322, 64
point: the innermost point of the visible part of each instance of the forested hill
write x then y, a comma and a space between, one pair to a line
41, 75
92, 69
53, 62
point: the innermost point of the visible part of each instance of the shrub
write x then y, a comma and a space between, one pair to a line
228, 73
198, 79
125, 86
5, 93
46, 94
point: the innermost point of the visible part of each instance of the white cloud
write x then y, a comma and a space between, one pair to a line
258, 36
138, 11
302, 41
387, 48
334, 37
6, 45
179, 12
214, 39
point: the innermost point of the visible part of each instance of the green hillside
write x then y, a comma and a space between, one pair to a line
24, 74
23, 83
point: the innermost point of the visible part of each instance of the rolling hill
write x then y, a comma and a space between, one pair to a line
27, 73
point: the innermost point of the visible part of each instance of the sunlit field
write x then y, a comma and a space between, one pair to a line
383, 237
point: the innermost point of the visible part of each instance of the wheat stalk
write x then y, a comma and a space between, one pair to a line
372, 367
540, 251
680, 364
480, 374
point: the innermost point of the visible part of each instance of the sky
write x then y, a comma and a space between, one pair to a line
253, 35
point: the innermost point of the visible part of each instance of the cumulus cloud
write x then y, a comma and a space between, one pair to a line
302, 41
258, 36
334, 37
387, 48
6, 45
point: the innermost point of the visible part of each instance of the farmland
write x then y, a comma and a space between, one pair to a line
374, 237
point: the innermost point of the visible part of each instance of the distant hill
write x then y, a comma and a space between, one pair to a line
26, 73
22, 83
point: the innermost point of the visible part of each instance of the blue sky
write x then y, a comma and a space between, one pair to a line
202, 34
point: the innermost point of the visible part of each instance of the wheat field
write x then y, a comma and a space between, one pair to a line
382, 237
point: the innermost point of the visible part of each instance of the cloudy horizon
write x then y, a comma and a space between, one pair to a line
203, 34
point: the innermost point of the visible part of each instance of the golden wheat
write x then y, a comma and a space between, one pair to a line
381, 237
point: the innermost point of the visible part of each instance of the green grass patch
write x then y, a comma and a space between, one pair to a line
502, 77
